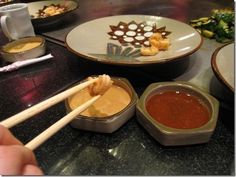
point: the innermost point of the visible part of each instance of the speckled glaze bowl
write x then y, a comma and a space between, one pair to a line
173, 136
24, 55
111, 123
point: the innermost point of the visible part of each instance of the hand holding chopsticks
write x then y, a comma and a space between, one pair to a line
102, 84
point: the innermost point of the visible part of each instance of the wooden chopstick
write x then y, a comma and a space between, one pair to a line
41, 138
22, 116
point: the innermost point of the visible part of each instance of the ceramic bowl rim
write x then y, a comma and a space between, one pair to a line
209, 126
42, 44
216, 69
134, 99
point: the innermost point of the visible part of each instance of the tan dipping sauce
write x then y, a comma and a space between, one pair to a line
23, 47
113, 101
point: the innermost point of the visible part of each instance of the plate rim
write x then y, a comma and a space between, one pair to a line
216, 69
134, 63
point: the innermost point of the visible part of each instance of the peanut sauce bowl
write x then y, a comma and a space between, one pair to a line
106, 115
177, 113
23, 49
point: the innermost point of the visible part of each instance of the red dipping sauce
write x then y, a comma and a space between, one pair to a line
177, 109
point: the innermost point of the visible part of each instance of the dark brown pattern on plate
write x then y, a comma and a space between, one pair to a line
136, 34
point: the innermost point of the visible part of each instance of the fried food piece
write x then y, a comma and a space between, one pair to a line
157, 43
149, 51
164, 44
99, 87
156, 36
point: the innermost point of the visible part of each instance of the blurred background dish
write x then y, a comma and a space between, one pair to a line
47, 12
117, 40
218, 26
5, 2
222, 63
23, 49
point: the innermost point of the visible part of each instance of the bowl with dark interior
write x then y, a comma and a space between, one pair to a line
177, 113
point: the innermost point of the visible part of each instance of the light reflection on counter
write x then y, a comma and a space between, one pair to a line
90, 158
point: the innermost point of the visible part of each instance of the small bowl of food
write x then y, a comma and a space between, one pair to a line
47, 12
23, 49
5, 2
115, 107
177, 113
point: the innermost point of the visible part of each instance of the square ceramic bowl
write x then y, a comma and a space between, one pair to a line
23, 49
164, 130
107, 124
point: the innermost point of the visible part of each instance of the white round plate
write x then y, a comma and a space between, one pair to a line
222, 63
97, 40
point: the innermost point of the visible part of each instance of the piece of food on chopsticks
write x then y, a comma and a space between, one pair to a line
51, 10
157, 43
220, 25
99, 87
114, 100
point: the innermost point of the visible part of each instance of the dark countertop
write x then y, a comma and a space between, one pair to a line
128, 151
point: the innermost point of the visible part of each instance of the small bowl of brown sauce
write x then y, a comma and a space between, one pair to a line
177, 113
113, 109
23, 49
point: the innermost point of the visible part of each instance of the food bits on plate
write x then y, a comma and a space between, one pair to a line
157, 43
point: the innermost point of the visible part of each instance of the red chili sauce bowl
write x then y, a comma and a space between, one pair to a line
177, 113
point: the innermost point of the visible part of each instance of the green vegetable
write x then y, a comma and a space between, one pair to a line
225, 14
208, 34
220, 25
